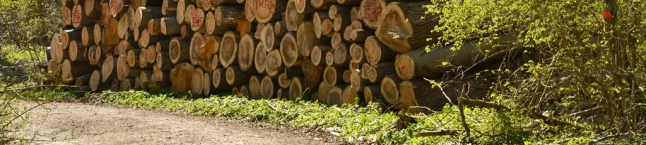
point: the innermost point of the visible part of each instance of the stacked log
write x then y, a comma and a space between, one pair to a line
332, 51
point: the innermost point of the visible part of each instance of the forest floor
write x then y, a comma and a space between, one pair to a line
84, 123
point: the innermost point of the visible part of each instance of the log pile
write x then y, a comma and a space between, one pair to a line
332, 51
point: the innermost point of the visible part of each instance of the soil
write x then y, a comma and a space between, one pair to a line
82, 123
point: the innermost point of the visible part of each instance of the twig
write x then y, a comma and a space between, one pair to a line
535, 115
436, 133
467, 130
586, 113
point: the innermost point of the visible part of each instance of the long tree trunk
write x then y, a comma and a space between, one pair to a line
108, 68
95, 81
377, 72
87, 36
170, 26
273, 63
283, 80
292, 17
358, 84
418, 63
144, 14
332, 76
318, 54
313, 74
71, 70
307, 40
236, 77
169, 7
219, 79
197, 81
163, 61
255, 91
296, 88
77, 53
390, 91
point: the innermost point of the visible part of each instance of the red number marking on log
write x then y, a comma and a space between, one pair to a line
76, 17
116, 6
372, 11
405, 96
197, 20
388, 86
244, 51
331, 78
268, 4
403, 67
357, 54
374, 74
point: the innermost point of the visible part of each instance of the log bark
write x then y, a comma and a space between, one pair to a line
163, 61
219, 79
54, 44
292, 17
273, 63
169, 7
179, 50
282, 93
296, 88
268, 87
197, 81
284, 81
322, 4
260, 57
180, 77
247, 49
66, 3
66, 36
390, 92
341, 21
313, 74
169, 26
227, 17
269, 10
132, 57
379, 71
229, 48
340, 9
236, 77
398, 23
280, 29
244, 91
77, 53
307, 40
95, 82
370, 11
144, 14
318, 54
123, 70
160, 79
418, 63
332, 76
87, 36
289, 50
372, 93
71, 70
377, 52
360, 35
125, 45
215, 3
358, 84
186, 32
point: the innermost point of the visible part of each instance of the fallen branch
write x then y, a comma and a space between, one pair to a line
586, 113
436, 133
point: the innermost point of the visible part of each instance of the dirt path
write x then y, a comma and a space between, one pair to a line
75, 123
